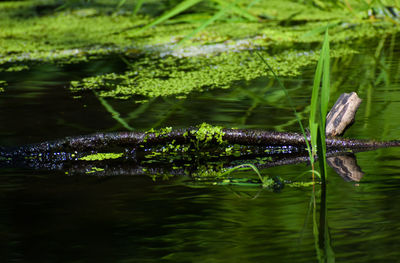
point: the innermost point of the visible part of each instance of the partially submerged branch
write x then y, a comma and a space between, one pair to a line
185, 150
134, 140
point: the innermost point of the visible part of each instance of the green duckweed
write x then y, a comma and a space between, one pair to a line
41, 31
101, 156
207, 132
3, 84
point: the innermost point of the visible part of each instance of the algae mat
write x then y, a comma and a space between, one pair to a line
286, 33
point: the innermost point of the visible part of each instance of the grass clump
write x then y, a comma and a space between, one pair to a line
319, 107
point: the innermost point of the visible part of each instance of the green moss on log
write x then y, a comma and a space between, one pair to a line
101, 156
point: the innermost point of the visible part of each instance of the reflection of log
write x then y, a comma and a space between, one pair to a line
342, 114
346, 166
135, 165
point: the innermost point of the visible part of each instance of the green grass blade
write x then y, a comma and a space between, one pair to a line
250, 5
321, 29
314, 118
325, 92
173, 12
321, 151
215, 17
319, 107
137, 7
237, 10
121, 3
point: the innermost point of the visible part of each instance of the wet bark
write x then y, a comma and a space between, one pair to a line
132, 140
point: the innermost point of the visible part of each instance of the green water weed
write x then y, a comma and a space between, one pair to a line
101, 156
319, 107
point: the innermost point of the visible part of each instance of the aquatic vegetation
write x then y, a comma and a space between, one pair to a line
3, 84
70, 35
194, 74
94, 170
157, 66
266, 181
14, 68
207, 133
319, 107
101, 156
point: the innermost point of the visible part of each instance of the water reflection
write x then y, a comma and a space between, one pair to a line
47, 216
346, 166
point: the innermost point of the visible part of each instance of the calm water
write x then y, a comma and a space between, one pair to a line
46, 216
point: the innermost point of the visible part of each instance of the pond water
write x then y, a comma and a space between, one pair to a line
47, 216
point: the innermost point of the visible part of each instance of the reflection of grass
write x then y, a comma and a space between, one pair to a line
266, 181
321, 233
114, 114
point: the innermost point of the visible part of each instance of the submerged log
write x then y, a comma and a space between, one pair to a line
140, 151
339, 118
134, 140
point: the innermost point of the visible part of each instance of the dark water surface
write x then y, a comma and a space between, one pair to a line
47, 216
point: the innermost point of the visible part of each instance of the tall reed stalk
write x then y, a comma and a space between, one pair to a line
319, 107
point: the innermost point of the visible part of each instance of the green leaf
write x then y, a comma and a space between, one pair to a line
215, 17
173, 12
121, 3
137, 7
313, 120
325, 92
237, 10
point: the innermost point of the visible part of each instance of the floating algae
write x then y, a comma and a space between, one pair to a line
72, 34
3, 84
101, 156
173, 76
287, 33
